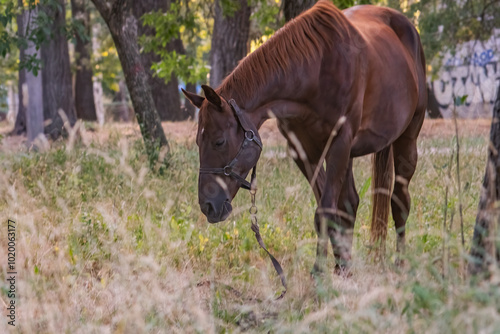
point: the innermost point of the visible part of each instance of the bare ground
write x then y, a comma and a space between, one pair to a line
185, 132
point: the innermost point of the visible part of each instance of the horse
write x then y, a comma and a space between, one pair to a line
341, 84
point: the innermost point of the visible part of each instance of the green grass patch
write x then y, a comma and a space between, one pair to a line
107, 245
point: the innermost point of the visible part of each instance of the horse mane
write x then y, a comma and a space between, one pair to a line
301, 40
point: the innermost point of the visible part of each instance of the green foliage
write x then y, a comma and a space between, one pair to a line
37, 31
106, 65
267, 19
188, 69
178, 22
8, 51
189, 22
343, 4
229, 7
7, 15
444, 24
8, 75
460, 100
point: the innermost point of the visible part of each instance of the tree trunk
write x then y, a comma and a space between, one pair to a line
189, 108
20, 124
485, 248
292, 8
123, 27
98, 91
56, 74
32, 97
120, 108
84, 94
13, 102
166, 96
433, 105
229, 40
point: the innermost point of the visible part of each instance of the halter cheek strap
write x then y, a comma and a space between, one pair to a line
251, 136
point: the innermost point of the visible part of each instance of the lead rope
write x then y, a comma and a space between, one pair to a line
255, 228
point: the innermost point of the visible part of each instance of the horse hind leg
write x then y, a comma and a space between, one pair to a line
341, 235
405, 162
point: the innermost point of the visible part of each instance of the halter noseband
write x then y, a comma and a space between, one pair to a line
251, 136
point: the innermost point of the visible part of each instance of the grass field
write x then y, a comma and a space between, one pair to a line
106, 246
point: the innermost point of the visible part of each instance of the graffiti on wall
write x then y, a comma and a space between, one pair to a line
476, 76
478, 59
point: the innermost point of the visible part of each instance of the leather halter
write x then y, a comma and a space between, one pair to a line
251, 136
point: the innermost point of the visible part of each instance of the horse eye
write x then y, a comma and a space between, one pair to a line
220, 142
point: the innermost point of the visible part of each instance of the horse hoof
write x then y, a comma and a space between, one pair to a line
342, 271
400, 263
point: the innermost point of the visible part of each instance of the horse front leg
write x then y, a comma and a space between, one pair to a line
309, 169
322, 243
329, 220
341, 237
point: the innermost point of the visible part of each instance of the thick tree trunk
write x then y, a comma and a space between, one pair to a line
20, 124
32, 97
292, 8
56, 74
84, 94
485, 249
166, 96
229, 40
123, 27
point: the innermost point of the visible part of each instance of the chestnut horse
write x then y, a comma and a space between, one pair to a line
342, 84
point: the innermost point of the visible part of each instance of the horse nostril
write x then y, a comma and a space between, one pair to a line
207, 208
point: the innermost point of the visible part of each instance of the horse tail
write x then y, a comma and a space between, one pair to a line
382, 179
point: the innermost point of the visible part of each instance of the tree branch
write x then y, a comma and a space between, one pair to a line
104, 7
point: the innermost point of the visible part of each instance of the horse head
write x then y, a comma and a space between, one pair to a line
229, 147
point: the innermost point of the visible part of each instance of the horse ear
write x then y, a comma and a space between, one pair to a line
195, 100
212, 96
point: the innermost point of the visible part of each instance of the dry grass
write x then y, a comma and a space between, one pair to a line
105, 246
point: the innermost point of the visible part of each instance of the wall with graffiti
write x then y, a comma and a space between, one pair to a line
473, 71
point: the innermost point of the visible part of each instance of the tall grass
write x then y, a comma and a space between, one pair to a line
105, 246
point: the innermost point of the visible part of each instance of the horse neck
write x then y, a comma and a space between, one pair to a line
275, 99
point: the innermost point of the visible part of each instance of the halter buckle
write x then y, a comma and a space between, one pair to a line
228, 170
249, 135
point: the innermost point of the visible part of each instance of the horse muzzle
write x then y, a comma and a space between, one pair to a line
216, 213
